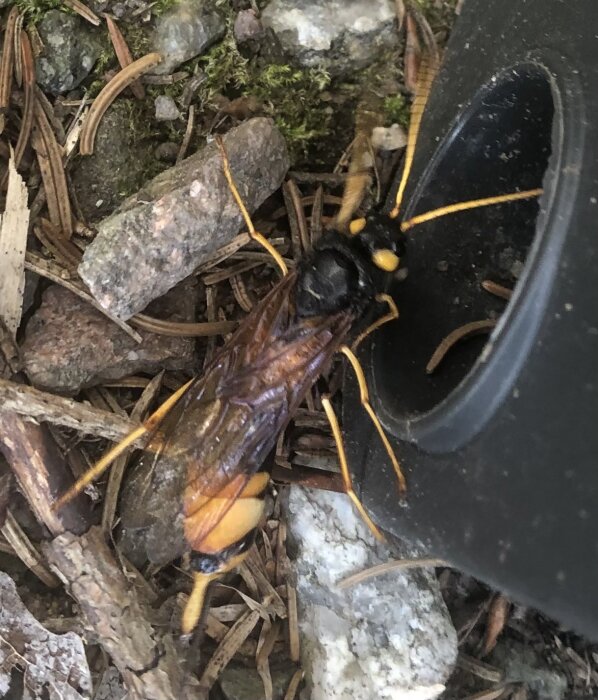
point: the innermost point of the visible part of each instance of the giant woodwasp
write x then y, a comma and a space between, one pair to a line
217, 430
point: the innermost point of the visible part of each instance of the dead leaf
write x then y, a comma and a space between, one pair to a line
496, 621
107, 96
123, 54
14, 224
237, 634
47, 660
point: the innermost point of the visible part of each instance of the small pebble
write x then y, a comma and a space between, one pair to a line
166, 109
442, 266
247, 26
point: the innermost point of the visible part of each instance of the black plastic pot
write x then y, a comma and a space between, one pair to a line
500, 445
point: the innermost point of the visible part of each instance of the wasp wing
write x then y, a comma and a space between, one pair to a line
221, 431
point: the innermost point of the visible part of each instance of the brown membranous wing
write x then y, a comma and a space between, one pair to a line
221, 431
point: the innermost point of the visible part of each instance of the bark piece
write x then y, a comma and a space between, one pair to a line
47, 660
70, 345
119, 615
161, 234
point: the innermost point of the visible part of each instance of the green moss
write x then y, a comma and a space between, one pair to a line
34, 10
137, 37
396, 110
292, 96
224, 68
159, 7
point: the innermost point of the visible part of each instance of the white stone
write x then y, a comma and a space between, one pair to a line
389, 637
310, 30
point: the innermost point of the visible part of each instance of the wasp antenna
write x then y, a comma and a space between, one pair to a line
100, 467
342, 458
427, 72
148, 427
255, 235
470, 204
365, 402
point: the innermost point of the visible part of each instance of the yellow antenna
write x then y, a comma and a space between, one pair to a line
427, 73
470, 204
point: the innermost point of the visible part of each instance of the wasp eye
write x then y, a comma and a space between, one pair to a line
385, 259
356, 226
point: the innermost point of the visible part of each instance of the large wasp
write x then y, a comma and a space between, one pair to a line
215, 432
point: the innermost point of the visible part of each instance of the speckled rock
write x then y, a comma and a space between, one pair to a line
340, 35
70, 51
160, 235
186, 31
386, 638
70, 345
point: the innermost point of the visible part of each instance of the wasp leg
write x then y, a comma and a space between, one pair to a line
342, 458
254, 235
471, 204
148, 427
365, 402
391, 315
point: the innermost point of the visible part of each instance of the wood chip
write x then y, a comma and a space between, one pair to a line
14, 224
123, 54
107, 96
227, 648
387, 567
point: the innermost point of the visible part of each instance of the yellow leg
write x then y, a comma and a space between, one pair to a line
365, 402
391, 315
100, 467
471, 204
255, 235
342, 458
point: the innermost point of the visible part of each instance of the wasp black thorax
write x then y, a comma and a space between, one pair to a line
346, 271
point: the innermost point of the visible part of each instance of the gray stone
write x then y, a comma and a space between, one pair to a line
388, 637
186, 31
166, 109
160, 235
70, 345
118, 166
339, 35
69, 54
242, 683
